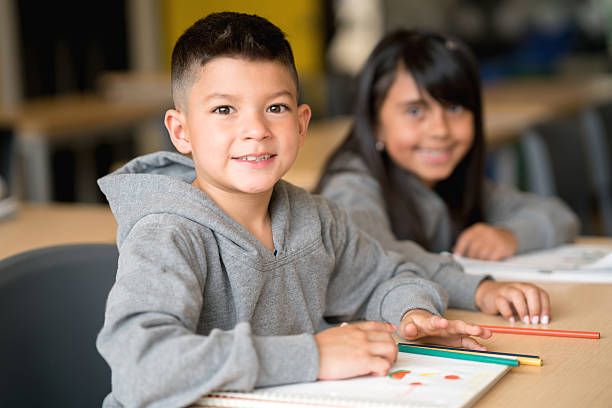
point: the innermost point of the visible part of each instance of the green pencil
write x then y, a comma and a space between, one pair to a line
459, 356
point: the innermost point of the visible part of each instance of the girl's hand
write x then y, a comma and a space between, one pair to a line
351, 350
420, 324
484, 241
528, 301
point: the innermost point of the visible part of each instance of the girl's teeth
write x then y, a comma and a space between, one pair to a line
431, 151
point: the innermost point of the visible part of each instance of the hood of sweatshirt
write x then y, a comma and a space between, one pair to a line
160, 183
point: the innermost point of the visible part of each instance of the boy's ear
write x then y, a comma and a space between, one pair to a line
304, 114
175, 122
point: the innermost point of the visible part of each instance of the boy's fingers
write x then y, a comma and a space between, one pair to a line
378, 366
472, 344
436, 322
380, 336
385, 350
460, 327
375, 326
410, 331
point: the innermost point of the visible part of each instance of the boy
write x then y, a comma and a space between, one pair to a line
225, 272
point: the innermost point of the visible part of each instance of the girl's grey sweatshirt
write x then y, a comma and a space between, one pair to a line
537, 222
199, 304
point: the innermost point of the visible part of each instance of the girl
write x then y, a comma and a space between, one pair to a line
411, 169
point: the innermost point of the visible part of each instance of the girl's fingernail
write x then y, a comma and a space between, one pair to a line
535, 319
526, 319
343, 324
511, 319
545, 319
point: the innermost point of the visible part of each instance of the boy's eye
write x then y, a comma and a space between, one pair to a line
224, 110
278, 108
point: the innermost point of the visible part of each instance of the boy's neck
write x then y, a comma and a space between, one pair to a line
249, 210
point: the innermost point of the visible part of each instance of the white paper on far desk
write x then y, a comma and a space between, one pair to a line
567, 263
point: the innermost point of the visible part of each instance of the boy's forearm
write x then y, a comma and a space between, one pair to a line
394, 298
170, 366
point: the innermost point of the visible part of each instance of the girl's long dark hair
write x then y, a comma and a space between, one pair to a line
446, 69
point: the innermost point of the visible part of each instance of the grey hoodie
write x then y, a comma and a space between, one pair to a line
199, 304
537, 222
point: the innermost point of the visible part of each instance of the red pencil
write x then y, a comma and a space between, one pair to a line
542, 332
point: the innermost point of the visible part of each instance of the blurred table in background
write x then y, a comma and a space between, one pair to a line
39, 225
125, 101
510, 106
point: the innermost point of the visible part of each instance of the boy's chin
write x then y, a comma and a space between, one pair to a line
258, 188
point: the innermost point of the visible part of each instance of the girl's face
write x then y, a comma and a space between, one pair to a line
421, 135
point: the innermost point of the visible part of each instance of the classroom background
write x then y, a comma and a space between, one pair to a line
84, 86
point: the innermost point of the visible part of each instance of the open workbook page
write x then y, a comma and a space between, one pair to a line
414, 381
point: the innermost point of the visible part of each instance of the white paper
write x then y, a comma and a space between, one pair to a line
567, 263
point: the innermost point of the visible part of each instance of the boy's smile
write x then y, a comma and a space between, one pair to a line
242, 125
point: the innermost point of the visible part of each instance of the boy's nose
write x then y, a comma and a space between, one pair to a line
255, 128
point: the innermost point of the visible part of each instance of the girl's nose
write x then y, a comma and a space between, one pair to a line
439, 122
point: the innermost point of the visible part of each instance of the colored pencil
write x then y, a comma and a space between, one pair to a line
524, 359
458, 356
542, 332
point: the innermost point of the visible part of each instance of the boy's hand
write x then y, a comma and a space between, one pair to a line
484, 241
420, 324
351, 350
530, 302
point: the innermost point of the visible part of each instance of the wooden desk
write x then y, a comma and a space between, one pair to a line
576, 372
510, 106
36, 226
39, 124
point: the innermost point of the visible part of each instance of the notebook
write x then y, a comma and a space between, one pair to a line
566, 263
414, 381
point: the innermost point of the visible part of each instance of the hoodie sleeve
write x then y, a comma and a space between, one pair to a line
371, 283
150, 339
360, 196
537, 222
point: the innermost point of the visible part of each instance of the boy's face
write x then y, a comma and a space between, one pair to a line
242, 125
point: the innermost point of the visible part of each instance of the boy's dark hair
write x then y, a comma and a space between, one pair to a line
445, 68
226, 34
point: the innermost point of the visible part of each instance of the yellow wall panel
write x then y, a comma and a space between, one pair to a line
302, 22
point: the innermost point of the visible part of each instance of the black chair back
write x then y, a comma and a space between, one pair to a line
52, 303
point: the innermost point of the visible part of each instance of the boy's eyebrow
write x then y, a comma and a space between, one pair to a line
219, 95
284, 92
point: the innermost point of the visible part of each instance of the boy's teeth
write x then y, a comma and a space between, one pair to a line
255, 158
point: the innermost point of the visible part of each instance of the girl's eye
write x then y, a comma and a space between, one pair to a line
224, 110
278, 108
455, 108
414, 111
